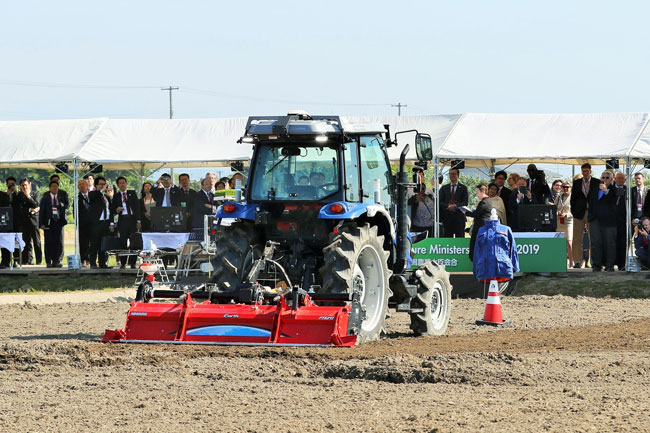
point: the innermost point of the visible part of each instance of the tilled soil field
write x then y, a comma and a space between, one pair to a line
565, 364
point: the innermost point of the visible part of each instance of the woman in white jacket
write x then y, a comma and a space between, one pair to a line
565, 219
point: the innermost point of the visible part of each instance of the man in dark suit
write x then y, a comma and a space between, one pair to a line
500, 178
125, 204
453, 195
581, 193
602, 221
621, 217
483, 212
202, 204
639, 206
101, 220
63, 198
168, 194
27, 208
522, 196
84, 221
186, 198
5, 201
51, 221
8, 199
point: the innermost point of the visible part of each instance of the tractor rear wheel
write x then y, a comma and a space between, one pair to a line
356, 261
434, 298
232, 244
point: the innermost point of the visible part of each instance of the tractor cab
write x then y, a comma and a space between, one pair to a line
299, 158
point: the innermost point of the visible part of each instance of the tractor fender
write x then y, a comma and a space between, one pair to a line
242, 211
353, 211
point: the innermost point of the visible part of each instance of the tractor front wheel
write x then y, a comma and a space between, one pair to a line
434, 298
232, 244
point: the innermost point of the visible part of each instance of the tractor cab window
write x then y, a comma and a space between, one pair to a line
294, 172
351, 172
374, 165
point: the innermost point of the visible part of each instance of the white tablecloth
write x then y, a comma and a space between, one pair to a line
164, 240
538, 234
9, 241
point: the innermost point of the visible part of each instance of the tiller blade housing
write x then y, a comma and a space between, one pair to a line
297, 324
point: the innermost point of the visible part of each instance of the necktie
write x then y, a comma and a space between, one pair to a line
211, 197
126, 204
167, 197
453, 190
640, 196
584, 187
104, 204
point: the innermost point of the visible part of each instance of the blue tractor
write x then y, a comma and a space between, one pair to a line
322, 213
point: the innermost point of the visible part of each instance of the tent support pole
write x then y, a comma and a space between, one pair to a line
628, 211
436, 211
75, 201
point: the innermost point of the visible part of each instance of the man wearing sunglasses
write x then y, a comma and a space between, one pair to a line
602, 222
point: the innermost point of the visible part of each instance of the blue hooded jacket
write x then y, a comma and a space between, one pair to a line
495, 253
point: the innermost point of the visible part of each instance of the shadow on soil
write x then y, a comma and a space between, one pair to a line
79, 336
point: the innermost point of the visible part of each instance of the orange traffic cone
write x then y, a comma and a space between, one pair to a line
493, 314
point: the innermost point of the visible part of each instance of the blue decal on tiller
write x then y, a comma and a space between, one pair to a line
230, 331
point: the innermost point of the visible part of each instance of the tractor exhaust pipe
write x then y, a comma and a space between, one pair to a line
402, 214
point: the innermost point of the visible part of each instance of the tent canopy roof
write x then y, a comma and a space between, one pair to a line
500, 139
479, 139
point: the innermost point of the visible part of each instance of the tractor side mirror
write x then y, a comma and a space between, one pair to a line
423, 147
290, 151
237, 166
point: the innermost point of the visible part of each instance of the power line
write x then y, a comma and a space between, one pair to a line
69, 86
274, 100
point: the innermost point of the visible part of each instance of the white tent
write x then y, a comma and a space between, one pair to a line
38, 143
152, 143
484, 140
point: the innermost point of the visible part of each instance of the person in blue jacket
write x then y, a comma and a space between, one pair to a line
495, 252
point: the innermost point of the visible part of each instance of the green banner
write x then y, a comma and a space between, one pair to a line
536, 254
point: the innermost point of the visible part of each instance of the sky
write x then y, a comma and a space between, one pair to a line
74, 59
348, 58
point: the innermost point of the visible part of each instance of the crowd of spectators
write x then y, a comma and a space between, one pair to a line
105, 210
590, 212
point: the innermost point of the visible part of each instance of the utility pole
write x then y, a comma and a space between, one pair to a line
171, 115
170, 88
399, 106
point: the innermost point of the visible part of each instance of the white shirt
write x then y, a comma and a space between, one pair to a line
166, 203
105, 216
124, 195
